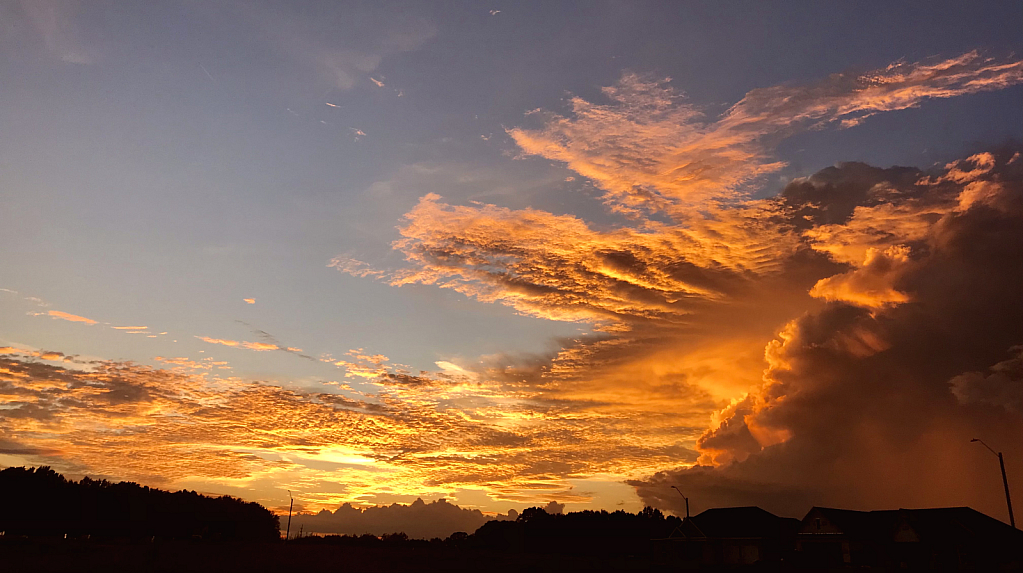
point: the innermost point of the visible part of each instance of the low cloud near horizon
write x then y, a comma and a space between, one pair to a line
418, 520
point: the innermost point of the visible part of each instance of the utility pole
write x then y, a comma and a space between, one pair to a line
1005, 481
683, 497
292, 506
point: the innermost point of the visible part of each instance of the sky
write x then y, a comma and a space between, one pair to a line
508, 254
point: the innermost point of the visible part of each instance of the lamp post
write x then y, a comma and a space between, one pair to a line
683, 497
1005, 481
290, 507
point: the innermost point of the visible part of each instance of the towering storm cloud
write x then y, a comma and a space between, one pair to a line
872, 400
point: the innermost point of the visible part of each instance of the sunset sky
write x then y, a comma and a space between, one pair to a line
511, 253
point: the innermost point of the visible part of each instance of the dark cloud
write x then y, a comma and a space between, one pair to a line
829, 196
554, 508
867, 407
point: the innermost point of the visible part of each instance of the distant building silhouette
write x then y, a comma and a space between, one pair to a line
943, 539
733, 536
947, 538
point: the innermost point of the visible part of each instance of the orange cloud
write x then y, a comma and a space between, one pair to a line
408, 438
70, 317
42, 354
867, 399
870, 285
666, 156
557, 267
258, 346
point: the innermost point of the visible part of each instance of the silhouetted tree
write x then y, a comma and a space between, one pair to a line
41, 502
580, 532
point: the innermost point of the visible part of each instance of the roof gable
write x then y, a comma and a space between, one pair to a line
748, 521
936, 525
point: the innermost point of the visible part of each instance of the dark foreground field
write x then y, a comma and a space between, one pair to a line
84, 556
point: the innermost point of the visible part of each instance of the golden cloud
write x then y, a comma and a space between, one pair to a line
162, 426
69, 317
257, 346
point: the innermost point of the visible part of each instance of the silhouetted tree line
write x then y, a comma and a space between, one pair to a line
536, 531
617, 532
39, 502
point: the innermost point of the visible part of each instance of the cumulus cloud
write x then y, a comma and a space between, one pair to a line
418, 520
554, 508
1002, 387
870, 284
872, 405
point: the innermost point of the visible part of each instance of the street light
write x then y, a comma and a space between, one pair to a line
1005, 481
683, 497
290, 507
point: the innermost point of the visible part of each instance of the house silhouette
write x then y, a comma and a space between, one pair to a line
733, 536
943, 539
946, 538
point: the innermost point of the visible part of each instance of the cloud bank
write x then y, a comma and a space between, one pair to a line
418, 520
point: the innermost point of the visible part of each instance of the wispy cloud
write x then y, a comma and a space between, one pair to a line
258, 346
341, 64
56, 24
666, 155
69, 317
